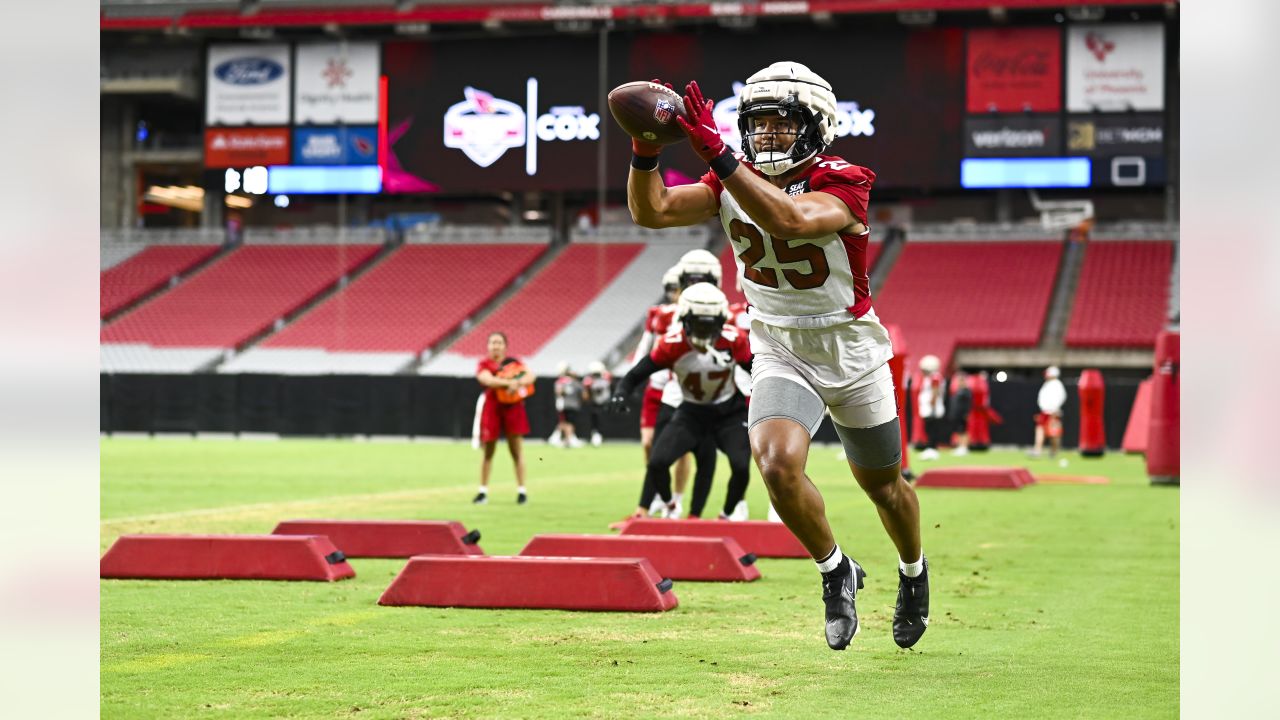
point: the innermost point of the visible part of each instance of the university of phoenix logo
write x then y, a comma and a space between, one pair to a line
483, 126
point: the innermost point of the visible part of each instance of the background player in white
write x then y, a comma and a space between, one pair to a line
798, 224
1051, 398
701, 350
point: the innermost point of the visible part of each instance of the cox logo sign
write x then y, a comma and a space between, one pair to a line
248, 71
851, 120
568, 123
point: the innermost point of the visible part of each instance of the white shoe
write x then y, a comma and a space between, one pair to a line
575, 443
960, 451
596, 439
675, 510
555, 438
773, 514
929, 454
657, 508
740, 512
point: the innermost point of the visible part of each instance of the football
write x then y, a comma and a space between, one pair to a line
647, 111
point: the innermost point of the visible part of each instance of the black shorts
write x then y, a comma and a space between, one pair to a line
569, 415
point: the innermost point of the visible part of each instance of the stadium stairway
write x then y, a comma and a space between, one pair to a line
577, 308
1123, 298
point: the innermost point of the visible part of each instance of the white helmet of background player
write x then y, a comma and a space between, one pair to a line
702, 311
1052, 372
563, 368
791, 90
671, 283
595, 368
698, 266
930, 364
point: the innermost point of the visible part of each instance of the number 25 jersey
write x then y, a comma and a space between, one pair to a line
803, 283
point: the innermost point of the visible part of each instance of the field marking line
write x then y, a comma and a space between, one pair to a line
328, 500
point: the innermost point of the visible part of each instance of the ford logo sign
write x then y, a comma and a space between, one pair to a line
248, 71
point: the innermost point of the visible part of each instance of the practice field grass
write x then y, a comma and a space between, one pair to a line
1052, 601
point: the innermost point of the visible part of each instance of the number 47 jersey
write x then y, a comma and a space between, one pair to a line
705, 378
803, 283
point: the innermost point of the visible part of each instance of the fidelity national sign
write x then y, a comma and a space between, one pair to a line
336, 83
1115, 67
247, 85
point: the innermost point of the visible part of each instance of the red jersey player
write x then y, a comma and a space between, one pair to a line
797, 221
499, 418
701, 351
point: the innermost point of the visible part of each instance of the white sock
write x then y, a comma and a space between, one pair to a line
484, 490
677, 497
520, 490
912, 569
832, 561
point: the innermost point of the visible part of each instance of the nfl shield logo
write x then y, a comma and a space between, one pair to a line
664, 111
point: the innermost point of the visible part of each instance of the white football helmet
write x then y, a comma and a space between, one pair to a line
1052, 372
595, 368
698, 266
787, 89
563, 368
702, 311
930, 364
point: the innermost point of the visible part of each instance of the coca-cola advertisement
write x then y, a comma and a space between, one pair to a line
1014, 70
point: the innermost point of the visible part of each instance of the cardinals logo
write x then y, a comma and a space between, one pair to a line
1099, 45
483, 126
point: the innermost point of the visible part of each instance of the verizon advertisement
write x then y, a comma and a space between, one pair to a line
1016, 136
337, 83
460, 120
1115, 68
247, 85
245, 147
1014, 70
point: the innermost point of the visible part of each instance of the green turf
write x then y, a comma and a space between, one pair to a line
1052, 601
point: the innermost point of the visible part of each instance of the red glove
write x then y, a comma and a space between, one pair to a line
699, 124
642, 148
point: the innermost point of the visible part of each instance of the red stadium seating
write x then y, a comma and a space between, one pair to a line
551, 299
981, 294
239, 296
1123, 295
411, 300
146, 272
729, 268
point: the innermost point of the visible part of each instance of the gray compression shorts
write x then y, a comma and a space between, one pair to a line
874, 447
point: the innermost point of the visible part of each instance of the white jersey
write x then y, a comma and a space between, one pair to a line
805, 283
704, 378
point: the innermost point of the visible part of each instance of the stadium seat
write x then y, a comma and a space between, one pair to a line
944, 295
1123, 295
147, 271
239, 296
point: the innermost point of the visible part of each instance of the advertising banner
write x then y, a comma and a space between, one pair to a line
335, 145
1013, 136
459, 119
337, 83
1014, 70
245, 147
247, 85
1115, 67
1104, 135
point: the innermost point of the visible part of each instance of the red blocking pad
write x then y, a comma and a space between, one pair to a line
549, 583
230, 557
679, 558
997, 478
389, 538
763, 538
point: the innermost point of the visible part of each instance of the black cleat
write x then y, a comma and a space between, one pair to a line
522, 498
480, 499
911, 616
839, 587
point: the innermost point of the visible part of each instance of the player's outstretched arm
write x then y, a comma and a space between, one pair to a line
811, 215
653, 204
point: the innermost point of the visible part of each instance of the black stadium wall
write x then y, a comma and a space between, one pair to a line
346, 405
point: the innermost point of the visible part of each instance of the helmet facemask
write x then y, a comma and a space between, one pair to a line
702, 330
779, 160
